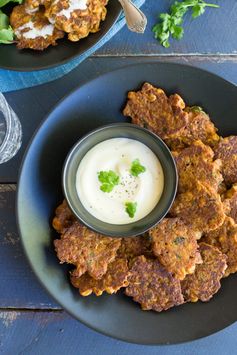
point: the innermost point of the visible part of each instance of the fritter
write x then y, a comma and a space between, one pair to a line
87, 250
134, 246
152, 109
205, 281
115, 278
226, 150
230, 202
33, 30
199, 127
67, 16
225, 239
175, 245
196, 163
151, 285
201, 208
64, 218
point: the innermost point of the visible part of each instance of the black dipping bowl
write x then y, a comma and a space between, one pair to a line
28, 59
118, 130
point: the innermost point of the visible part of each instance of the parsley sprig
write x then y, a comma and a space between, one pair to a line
137, 168
171, 23
131, 208
109, 179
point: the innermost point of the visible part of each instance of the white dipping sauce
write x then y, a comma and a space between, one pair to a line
34, 32
73, 5
117, 154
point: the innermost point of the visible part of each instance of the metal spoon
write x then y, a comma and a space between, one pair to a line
135, 18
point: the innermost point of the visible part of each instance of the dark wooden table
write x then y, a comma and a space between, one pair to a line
30, 321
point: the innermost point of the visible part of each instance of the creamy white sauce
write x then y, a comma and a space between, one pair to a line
31, 11
33, 31
117, 154
73, 5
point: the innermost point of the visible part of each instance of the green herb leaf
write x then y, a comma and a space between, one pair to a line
170, 24
5, 2
197, 109
131, 208
137, 168
198, 10
109, 179
177, 32
179, 240
6, 32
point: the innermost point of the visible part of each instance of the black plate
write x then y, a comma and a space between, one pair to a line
96, 103
27, 60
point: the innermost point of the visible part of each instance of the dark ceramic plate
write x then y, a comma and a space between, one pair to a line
96, 103
27, 60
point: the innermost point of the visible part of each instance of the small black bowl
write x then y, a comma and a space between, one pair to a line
125, 130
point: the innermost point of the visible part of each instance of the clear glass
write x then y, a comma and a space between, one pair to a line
10, 131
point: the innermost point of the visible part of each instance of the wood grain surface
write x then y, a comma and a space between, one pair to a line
56, 333
215, 32
19, 287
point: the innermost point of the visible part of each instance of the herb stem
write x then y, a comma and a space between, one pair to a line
212, 5
171, 24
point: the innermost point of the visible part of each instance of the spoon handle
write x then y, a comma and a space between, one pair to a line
135, 18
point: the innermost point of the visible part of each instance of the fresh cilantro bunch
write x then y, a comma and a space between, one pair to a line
171, 23
6, 31
109, 179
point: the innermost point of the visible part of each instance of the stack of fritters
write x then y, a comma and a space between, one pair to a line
184, 257
38, 24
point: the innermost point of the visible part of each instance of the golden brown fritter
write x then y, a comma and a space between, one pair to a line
226, 150
230, 202
225, 239
175, 245
205, 281
33, 30
195, 163
134, 246
168, 117
152, 109
151, 285
115, 278
199, 127
64, 218
201, 208
87, 250
77, 23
